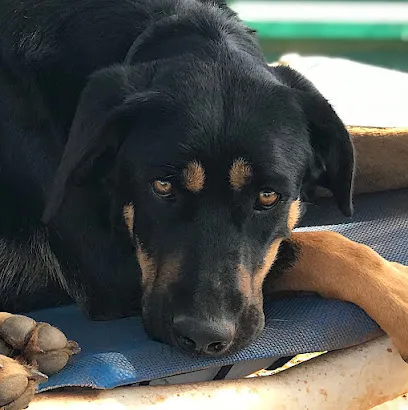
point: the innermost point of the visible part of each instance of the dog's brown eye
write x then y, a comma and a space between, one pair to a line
267, 198
163, 188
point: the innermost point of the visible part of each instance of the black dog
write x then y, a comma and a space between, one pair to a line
153, 128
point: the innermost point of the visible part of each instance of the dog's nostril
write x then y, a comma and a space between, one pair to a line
216, 347
186, 343
210, 337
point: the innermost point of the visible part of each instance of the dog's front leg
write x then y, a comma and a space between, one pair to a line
100, 269
336, 267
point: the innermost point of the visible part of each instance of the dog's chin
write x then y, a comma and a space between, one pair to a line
247, 333
157, 329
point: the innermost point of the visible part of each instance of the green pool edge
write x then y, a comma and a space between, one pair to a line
330, 30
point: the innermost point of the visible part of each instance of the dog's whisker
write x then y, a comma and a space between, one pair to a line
280, 320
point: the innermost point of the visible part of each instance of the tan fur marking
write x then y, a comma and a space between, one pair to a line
148, 267
245, 280
335, 267
294, 213
255, 285
170, 269
194, 177
168, 272
268, 261
129, 217
239, 174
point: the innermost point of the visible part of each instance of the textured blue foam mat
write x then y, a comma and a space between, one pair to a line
120, 353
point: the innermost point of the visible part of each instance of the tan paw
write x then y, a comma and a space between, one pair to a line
38, 344
18, 384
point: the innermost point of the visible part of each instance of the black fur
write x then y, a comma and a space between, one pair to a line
98, 98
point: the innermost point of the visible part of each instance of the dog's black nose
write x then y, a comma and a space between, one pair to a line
212, 338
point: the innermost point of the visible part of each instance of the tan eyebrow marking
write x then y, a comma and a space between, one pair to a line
194, 176
239, 174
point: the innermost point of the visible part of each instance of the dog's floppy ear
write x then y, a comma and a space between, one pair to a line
333, 164
108, 104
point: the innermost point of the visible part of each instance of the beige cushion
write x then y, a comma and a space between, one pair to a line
381, 158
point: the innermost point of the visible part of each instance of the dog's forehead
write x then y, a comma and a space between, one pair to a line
233, 158
228, 132
262, 156
224, 89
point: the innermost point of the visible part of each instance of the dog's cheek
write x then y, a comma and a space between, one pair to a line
294, 214
157, 281
170, 269
271, 254
129, 218
245, 282
149, 270
252, 319
251, 325
250, 283
155, 275
267, 262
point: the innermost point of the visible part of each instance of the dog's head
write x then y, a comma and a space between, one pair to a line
207, 160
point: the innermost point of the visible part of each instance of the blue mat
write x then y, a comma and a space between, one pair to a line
119, 353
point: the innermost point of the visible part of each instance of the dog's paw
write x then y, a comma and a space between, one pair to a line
18, 383
38, 344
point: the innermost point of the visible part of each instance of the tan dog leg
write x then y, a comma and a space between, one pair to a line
26, 346
338, 268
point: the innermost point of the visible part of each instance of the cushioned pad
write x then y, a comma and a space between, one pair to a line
120, 353
377, 121
349, 85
